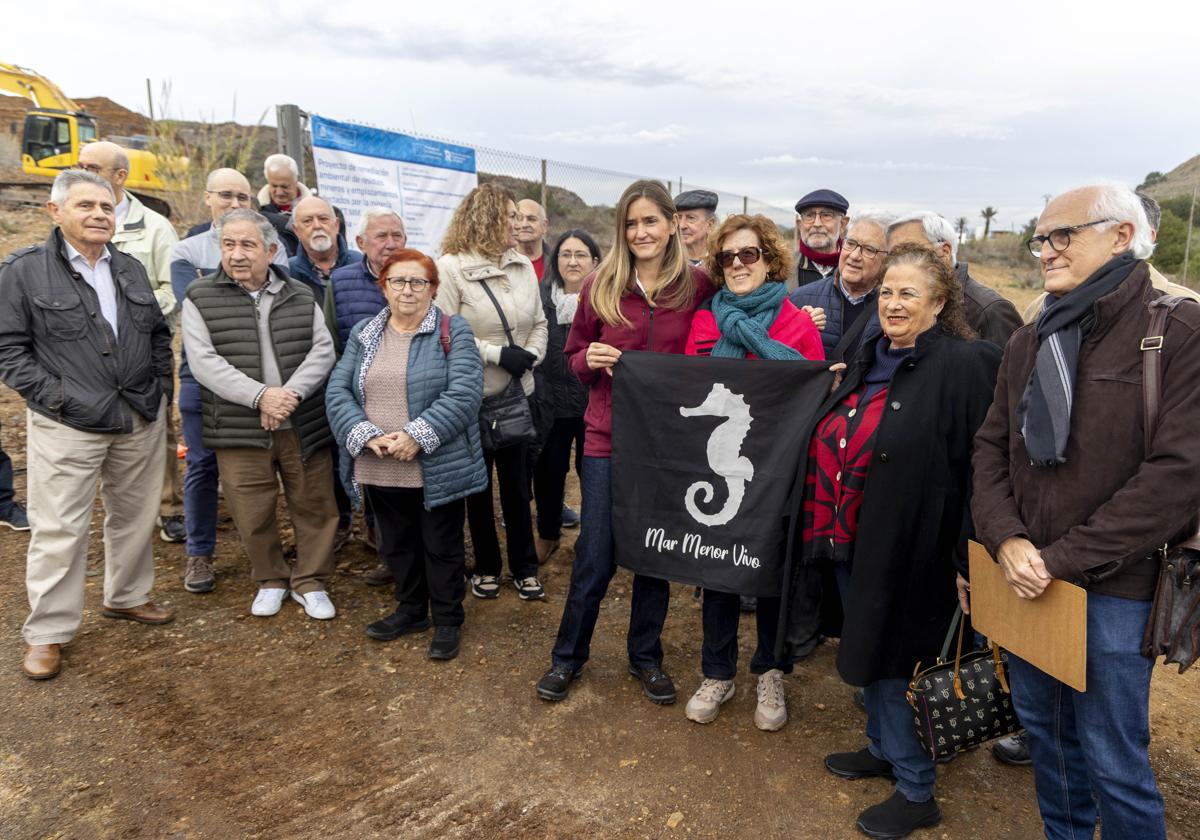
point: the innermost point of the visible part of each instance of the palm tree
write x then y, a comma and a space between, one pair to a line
988, 214
962, 227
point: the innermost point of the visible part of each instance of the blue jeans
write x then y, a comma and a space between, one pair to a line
722, 612
1094, 747
890, 728
594, 567
200, 478
6, 485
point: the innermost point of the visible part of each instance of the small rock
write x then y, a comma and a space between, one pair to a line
629, 762
674, 820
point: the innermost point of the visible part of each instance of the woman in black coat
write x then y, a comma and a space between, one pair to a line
558, 391
885, 501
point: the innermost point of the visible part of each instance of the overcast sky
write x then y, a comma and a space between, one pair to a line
945, 106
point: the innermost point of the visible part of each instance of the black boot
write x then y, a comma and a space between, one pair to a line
897, 817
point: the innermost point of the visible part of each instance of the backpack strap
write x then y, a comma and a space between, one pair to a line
445, 333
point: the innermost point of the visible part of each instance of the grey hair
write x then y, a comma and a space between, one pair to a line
281, 161
371, 214
266, 230
937, 229
69, 178
879, 218
1153, 211
1120, 204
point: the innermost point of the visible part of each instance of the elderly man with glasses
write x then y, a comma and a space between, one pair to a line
1068, 487
847, 296
820, 227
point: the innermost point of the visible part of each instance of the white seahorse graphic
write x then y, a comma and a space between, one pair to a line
724, 454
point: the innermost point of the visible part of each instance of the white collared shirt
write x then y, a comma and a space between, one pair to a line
100, 279
854, 300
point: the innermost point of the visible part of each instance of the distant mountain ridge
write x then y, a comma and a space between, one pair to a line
1180, 181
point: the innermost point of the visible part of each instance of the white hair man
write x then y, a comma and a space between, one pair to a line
83, 340
323, 247
530, 232
265, 408
820, 226
1067, 426
150, 239
283, 188
990, 314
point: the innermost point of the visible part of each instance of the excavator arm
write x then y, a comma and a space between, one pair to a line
39, 90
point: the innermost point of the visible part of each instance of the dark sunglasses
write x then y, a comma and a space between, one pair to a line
748, 256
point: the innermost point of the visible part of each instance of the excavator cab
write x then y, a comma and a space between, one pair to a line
53, 139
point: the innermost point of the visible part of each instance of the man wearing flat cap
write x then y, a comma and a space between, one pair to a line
697, 217
820, 226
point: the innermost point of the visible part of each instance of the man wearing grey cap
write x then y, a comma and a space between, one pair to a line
820, 226
696, 217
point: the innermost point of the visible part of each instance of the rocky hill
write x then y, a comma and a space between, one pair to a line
1180, 181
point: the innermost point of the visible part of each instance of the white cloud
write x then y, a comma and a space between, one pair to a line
617, 134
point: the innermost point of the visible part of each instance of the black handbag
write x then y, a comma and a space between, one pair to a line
505, 418
1173, 630
962, 704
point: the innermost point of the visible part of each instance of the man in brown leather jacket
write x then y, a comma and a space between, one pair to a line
1065, 489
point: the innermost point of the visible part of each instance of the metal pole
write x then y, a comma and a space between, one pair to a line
290, 133
543, 202
1187, 244
150, 100
745, 205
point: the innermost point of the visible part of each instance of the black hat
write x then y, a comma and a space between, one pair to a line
696, 200
823, 198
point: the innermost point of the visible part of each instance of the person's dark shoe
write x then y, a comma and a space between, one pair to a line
198, 577
396, 625
656, 684
378, 576
897, 817
748, 603
555, 684
570, 519
172, 529
1013, 749
445, 642
17, 518
147, 613
42, 662
858, 765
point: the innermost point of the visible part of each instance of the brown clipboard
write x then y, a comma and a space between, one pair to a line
1049, 632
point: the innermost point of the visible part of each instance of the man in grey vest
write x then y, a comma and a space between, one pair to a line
257, 345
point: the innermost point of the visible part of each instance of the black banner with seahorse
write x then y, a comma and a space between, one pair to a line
705, 454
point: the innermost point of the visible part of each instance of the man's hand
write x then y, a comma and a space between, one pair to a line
268, 422
278, 402
1023, 567
817, 314
964, 593
403, 447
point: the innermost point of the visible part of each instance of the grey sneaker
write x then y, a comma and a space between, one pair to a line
172, 529
198, 577
17, 519
705, 704
771, 713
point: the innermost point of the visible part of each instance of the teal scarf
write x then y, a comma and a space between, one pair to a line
744, 321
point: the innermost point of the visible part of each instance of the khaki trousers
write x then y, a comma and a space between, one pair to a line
63, 467
251, 492
172, 489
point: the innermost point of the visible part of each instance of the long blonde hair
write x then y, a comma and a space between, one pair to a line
480, 224
614, 276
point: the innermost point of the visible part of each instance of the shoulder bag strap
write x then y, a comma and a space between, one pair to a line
445, 334
500, 312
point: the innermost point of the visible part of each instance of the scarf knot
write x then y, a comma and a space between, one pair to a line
744, 320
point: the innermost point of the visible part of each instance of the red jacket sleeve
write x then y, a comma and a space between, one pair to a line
689, 347
810, 345
585, 328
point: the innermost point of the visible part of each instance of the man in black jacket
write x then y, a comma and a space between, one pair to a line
83, 340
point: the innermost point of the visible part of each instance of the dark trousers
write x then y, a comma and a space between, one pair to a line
550, 474
424, 550
201, 477
593, 568
718, 656
344, 508
6, 485
513, 477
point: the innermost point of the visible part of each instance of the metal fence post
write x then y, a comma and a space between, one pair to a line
290, 133
745, 205
1187, 244
544, 184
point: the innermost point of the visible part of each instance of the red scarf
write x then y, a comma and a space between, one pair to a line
821, 258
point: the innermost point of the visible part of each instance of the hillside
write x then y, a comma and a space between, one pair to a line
1180, 181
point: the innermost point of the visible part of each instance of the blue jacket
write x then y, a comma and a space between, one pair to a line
301, 268
355, 296
444, 393
826, 295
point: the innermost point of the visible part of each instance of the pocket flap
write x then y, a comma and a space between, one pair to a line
57, 301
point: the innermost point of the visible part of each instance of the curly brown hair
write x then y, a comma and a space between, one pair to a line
943, 282
777, 255
481, 225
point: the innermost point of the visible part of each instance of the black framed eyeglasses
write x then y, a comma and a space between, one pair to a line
852, 245
748, 256
397, 284
1059, 239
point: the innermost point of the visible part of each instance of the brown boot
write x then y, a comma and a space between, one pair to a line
147, 613
42, 662
378, 576
545, 549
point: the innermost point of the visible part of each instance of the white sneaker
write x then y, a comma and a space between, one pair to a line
771, 713
705, 704
316, 604
268, 601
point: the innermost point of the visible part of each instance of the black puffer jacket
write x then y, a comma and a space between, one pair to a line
557, 388
58, 352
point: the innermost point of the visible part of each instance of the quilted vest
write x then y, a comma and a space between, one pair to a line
355, 296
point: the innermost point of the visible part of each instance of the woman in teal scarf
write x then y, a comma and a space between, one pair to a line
749, 317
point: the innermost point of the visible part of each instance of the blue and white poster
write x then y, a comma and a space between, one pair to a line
423, 180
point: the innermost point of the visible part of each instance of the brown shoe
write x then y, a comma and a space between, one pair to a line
42, 662
147, 613
378, 576
545, 549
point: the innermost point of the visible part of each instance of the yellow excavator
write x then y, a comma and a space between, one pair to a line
56, 128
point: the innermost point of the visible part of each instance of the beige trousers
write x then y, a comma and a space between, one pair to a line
63, 467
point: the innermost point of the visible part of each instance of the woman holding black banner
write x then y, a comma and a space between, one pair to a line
886, 503
493, 286
641, 297
749, 317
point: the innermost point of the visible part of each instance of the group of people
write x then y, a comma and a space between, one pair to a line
407, 385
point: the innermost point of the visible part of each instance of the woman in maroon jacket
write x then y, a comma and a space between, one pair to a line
749, 317
641, 297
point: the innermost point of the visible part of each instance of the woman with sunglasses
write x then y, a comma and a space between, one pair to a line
641, 297
402, 403
749, 317
574, 256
